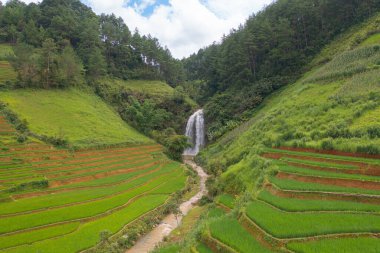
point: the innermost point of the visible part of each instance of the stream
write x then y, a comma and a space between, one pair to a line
149, 241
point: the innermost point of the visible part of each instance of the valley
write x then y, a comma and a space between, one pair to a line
267, 140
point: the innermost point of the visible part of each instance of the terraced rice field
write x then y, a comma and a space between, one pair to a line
55, 199
313, 202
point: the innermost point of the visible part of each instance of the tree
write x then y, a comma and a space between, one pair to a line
70, 68
145, 116
48, 65
26, 64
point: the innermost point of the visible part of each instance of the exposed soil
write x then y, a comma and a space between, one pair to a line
145, 149
368, 172
322, 195
83, 169
59, 183
330, 152
362, 166
331, 181
90, 200
41, 193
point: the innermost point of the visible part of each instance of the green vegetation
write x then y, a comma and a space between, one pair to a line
298, 205
153, 107
8, 241
283, 224
7, 74
87, 234
236, 75
153, 89
88, 191
289, 184
328, 157
73, 115
236, 237
52, 55
201, 248
349, 245
226, 200
313, 172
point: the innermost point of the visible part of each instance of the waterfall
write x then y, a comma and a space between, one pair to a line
195, 132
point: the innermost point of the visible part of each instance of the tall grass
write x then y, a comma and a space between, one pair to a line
348, 64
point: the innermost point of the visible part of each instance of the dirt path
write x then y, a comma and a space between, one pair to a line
148, 242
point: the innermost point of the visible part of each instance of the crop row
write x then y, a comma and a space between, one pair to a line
282, 224
299, 205
326, 157
87, 234
230, 232
312, 172
81, 195
290, 184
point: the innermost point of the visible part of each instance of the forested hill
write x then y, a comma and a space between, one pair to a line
64, 47
59, 40
273, 48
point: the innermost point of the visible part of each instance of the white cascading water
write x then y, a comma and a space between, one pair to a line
195, 132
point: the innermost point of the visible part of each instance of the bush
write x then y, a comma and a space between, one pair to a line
42, 184
374, 132
21, 138
327, 145
368, 149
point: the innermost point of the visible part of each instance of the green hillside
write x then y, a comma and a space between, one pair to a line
6, 71
146, 87
78, 116
335, 106
302, 175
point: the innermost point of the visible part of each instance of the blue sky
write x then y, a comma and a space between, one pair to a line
148, 10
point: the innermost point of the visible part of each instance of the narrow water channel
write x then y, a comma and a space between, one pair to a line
149, 241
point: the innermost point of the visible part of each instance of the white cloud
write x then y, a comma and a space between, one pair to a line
184, 25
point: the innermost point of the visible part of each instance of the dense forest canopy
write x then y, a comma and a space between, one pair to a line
270, 50
55, 35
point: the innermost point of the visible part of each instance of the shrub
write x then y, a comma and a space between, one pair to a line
42, 184
374, 132
21, 138
368, 149
327, 145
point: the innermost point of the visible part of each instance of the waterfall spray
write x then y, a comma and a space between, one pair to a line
195, 133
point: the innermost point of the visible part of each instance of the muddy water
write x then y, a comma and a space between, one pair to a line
148, 242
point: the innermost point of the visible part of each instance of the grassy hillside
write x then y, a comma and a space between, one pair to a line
150, 88
335, 106
303, 174
78, 116
6, 71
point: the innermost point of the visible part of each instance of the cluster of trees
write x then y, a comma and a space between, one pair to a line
50, 66
53, 34
162, 118
271, 49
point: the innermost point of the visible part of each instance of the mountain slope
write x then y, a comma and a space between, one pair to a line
334, 106
77, 116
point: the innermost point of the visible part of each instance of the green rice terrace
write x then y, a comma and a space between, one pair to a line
59, 199
311, 202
